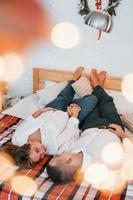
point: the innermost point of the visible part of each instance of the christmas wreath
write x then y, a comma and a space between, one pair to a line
85, 10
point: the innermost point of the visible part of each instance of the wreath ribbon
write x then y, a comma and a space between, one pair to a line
98, 5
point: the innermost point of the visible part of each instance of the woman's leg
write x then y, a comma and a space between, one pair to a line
63, 99
66, 95
87, 104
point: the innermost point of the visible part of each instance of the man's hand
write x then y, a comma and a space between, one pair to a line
117, 130
74, 110
42, 110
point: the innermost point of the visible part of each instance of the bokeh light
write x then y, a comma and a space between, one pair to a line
113, 182
7, 168
128, 149
112, 153
13, 67
127, 170
24, 185
127, 87
22, 23
96, 173
109, 182
1, 66
65, 35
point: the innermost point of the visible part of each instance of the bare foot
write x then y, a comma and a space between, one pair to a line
94, 78
102, 77
78, 72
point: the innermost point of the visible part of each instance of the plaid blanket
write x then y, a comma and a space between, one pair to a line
46, 188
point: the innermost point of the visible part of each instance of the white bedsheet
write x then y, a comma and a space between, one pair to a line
122, 104
30, 104
24, 107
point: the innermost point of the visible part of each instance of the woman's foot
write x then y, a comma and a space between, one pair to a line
78, 72
102, 77
94, 78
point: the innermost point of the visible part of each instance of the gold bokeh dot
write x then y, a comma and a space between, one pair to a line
112, 153
65, 35
96, 173
13, 67
24, 185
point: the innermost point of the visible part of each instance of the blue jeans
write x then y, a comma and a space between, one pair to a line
104, 113
65, 98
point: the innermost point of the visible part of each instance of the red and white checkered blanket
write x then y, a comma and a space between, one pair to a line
46, 188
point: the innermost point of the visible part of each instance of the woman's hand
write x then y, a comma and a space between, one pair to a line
117, 130
74, 110
42, 110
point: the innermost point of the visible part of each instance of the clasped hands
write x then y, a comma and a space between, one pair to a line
73, 110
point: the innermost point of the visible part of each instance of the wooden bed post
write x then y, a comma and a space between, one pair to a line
35, 79
41, 74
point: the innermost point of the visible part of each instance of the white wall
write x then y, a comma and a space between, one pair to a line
112, 53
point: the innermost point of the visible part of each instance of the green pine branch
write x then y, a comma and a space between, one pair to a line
84, 7
111, 10
85, 10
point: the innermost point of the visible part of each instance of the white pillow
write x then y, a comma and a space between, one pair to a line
24, 107
50, 92
122, 105
82, 86
30, 104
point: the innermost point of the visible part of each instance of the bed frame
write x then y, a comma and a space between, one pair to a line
41, 74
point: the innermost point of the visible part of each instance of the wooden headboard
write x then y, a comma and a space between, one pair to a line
40, 74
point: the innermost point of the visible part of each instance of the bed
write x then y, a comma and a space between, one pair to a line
46, 189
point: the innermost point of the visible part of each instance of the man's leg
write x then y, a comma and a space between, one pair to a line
93, 120
87, 104
107, 107
105, 112
66, 95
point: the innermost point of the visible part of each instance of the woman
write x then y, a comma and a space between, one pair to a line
44, 131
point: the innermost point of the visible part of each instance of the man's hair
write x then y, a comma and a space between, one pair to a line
59, 174
20, 155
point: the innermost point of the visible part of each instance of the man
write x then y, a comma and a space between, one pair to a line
99, 126
40, 134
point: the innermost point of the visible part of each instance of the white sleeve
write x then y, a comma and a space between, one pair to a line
72, 124
20, 135
69, 132
50, 139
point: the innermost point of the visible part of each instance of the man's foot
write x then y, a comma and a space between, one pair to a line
102, 77
94, 78
78, 72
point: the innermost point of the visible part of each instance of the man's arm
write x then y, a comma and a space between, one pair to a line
71, 129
